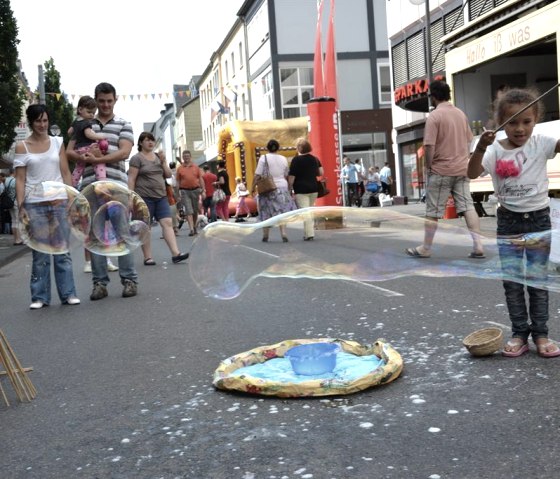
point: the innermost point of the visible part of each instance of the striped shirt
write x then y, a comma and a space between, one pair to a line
115, 130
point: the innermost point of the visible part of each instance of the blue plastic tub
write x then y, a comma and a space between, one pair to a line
313, 359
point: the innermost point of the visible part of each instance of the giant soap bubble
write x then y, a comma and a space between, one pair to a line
365, 245
54, 216
120, 219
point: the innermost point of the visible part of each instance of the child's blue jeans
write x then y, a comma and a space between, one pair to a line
525, 236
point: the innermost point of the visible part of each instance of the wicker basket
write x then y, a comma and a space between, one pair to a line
484, 341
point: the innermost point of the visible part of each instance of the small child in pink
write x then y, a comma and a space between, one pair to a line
242, 193
82, 132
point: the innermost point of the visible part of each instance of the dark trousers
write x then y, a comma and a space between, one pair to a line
525, 236
353, 194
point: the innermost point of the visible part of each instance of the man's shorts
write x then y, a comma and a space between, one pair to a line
440, 188
189, 199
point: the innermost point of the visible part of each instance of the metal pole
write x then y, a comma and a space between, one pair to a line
429, 72
42, 96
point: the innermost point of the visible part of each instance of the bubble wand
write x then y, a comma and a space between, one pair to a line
529, 105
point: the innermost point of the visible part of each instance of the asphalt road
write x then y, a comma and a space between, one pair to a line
125, 385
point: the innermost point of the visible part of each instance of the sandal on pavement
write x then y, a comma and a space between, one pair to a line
522, 348
149, 262
475, 255
415, 253
543, 349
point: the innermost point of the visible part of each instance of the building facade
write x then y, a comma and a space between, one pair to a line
479, 47
264, 71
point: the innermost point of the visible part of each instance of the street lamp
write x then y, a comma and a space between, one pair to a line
427, 43
55, 130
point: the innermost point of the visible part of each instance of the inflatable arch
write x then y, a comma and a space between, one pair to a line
240, 143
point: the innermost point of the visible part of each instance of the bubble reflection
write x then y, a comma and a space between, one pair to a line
120, 219
351, 244
53, 217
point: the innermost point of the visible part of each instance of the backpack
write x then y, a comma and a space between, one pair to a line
8, 196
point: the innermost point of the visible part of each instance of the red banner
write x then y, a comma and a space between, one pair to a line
325, 139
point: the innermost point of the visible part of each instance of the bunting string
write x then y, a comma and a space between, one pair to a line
150, 96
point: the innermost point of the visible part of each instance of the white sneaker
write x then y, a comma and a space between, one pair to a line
111, 266
72, 300
87, 267
36, 305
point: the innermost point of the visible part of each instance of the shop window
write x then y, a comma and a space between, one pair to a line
384, 78
398, 55
413, 162
416, 56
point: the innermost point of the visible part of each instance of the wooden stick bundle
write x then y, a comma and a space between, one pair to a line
16, 373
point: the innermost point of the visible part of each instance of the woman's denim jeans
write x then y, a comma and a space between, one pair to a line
49, 231
514, 243
41, 277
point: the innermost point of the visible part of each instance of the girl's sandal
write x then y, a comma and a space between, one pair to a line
522, 348
543, 349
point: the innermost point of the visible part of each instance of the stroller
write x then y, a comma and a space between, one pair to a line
371, 196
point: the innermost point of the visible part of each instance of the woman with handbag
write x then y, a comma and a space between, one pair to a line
302, 179
146, 176
271, 183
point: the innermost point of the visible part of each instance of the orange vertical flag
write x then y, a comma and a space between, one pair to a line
330, 59
318, 82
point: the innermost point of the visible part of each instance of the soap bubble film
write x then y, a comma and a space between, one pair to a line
54, 217
228, 257
120, 219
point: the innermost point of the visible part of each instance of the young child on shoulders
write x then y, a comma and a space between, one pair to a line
517, 165
82, 131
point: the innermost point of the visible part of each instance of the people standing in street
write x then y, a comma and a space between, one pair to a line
8, 205
39, 158
350, 178
386, 177
361, 178
302, 180
277, 201
173, 207
222, 207
518, 165
191, 186
447, 138
119, 135
146, 176
208, 205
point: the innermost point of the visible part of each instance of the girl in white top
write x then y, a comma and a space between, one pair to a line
517, 165
43, 158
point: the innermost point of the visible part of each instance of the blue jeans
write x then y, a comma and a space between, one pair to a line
514, 243
100, 273
41, 277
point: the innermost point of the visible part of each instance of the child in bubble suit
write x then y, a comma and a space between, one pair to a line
517, 165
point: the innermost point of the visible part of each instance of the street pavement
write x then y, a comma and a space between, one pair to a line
125, 384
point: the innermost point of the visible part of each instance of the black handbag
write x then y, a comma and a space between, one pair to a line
322, 189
